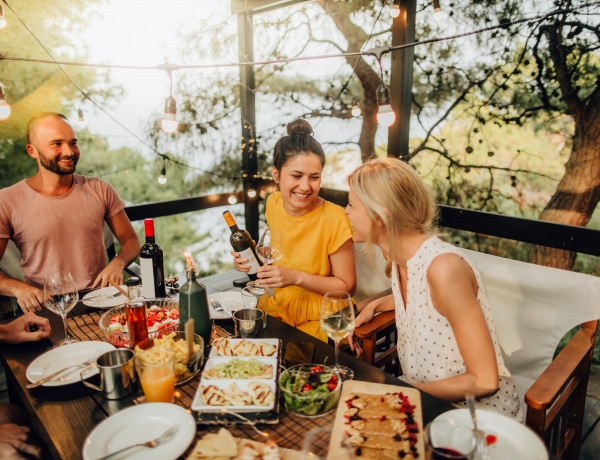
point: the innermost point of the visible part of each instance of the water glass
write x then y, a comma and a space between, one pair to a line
256, 297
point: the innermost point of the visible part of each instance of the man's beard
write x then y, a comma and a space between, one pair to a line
54, 165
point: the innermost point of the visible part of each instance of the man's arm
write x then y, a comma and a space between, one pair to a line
26, 328
130, 250
29, 298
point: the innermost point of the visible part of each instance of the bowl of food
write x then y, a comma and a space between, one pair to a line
187, 364
162, 318
310, 390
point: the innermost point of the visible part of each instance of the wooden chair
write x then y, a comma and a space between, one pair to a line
534, 307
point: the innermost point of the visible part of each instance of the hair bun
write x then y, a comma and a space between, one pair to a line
299, 126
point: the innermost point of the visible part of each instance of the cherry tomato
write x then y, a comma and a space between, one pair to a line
306, 388
316, 369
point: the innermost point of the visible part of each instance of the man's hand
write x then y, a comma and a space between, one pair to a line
112, 272
29, 298
27, 328
16, 443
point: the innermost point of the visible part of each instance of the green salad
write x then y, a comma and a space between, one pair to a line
310, 390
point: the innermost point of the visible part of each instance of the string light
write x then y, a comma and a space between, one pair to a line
251, 193
232, 199
4, 107
81, 121
355, 108
169, 121
2, 18
438, 13
395, 10
385, 115
162, 179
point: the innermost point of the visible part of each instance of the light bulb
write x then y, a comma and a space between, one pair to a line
81, 121
395, 11
438, 13
2, 18
169, 122
251, 193
385, 114
162, 179
232, 199
355, 109
4, 107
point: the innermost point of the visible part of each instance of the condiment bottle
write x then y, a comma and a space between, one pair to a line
135, 310
193, 303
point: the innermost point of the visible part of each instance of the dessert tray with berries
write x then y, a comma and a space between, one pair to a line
378, 420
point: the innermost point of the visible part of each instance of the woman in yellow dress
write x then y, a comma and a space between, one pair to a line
318, 251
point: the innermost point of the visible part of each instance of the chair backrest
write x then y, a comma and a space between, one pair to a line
10, 263
533, 308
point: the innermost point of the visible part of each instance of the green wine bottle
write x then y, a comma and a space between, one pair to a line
193, 303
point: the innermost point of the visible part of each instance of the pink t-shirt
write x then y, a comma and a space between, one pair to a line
59, 233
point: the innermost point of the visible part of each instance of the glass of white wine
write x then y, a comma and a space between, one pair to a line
60, 296
270, 246
337, 320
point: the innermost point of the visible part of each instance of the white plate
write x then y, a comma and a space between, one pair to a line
514, 440
104, 302
138, 424
230, 300
61, 357
199, 405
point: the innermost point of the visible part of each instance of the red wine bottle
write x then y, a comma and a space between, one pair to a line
242, 242
135, 310
151, 263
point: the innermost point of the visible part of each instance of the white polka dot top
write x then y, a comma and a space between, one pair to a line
427, 347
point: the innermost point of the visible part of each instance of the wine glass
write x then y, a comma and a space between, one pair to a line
337, 320
60, 296
269, 248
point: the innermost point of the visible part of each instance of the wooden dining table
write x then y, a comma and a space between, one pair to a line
63, 416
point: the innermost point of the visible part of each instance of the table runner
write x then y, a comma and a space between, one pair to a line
289, 432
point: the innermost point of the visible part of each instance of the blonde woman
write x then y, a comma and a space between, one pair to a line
318, 251
447, 344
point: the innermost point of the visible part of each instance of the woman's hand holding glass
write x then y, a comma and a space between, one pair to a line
337, 320
60, 296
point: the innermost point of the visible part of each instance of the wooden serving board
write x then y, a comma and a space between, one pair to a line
336, 450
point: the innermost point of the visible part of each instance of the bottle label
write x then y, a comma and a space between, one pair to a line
147, 268
254, 265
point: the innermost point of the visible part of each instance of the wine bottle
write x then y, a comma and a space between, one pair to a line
135, 310
193, 303
151, 263
241, 241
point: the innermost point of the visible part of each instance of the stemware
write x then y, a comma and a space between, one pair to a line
337, 320
269, 248
60, 296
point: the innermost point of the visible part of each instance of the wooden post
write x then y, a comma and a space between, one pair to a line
403, 32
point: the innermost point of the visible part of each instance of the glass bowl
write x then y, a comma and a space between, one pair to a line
310, 390
186, 366
163, 317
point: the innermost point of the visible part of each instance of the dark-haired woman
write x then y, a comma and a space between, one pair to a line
318, 251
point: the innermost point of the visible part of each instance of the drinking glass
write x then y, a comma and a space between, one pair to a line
269, 248
156, 369
337, 320
60, 296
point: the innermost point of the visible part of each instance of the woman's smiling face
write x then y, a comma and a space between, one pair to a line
299, 183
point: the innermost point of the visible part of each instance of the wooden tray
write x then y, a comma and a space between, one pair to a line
336, 450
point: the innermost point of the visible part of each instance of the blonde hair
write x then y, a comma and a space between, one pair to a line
392, 191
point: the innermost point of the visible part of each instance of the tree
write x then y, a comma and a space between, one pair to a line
541, 75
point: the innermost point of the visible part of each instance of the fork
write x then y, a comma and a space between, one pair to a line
216, 305
89, 362
482, 453
165, 437
96, 298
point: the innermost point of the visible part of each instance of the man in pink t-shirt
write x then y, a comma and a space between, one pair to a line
56, 218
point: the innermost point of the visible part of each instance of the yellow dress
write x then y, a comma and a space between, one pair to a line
308, 241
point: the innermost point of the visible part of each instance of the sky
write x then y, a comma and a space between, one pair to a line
138, 33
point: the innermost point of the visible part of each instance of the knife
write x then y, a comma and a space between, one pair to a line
43, 380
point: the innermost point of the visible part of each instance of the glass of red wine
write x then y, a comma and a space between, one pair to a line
449, 439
